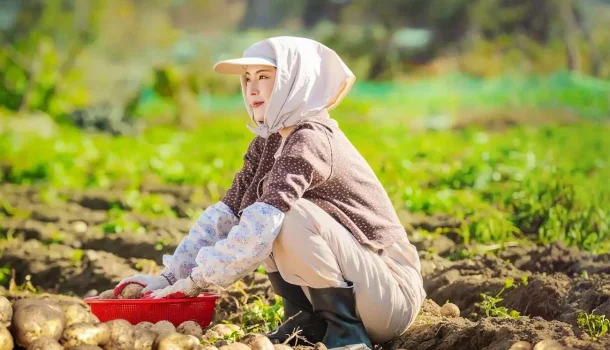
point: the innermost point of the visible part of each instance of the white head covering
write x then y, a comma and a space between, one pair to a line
310, 79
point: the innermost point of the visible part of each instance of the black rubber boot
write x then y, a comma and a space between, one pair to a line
298, 314
337, 306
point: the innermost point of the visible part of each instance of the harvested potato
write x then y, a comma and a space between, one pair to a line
205, 347
143, 325
450, 310
6, 339
87, 347
132, 291
235, 346
108, 294
175, 341
227, 329
521, 345
38, 319
261, 343
162, 327
6, 312
93, 319
190, 328
210, 336
45, 343
121, 335
145, 339
222, 342
85, 333
281, 347
248, 338
319, 346
75, 313
549, 344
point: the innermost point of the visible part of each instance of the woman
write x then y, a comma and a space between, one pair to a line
307, 206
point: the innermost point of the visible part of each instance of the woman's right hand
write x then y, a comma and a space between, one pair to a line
149, 282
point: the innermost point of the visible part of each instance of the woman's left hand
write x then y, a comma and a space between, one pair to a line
183, 288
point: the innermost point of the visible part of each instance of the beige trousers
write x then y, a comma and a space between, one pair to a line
314, 250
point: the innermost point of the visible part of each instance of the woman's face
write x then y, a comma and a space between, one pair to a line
259, 86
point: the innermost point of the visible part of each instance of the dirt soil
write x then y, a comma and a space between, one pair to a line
63, 250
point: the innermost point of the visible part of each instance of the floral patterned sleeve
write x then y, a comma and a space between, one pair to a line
212, 225
242, 251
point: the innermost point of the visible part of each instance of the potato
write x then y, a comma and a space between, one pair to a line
143, 325
162, 327
205, 347
450, 310
549, 344
121, 335
261, 343
235, 346
175, 341
6, 339
45, 343
210, 336
85, 333
108, 294
145, 339
75, 313
132, 291
227, 329
190, 328
320, 346
281, 347
93, 319
38, 319
6, 312
87, 347
248, 338
521, 345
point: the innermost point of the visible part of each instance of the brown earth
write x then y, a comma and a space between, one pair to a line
64, 250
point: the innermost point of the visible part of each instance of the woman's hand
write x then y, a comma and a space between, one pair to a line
149, 282
185, 287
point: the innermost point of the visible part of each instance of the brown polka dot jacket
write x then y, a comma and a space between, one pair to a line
319, 163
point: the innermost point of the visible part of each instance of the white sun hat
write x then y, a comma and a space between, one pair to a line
255, 55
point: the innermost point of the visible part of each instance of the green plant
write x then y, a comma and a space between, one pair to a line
490, 303
262, 317
594, 325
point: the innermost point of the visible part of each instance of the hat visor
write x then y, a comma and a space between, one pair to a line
238, 65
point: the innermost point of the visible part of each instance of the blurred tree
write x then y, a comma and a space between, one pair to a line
38, 51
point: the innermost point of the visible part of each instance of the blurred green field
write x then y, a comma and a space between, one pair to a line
536, 182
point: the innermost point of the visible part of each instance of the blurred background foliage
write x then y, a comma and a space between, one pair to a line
494, 112
117, 65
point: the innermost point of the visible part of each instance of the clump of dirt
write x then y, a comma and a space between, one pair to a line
557, 257
461, 282
61, 269
430, 331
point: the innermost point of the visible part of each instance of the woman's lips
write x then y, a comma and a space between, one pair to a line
256, 104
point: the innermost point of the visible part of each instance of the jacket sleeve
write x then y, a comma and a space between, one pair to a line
246, 246
212, 225
305, 162
242, 180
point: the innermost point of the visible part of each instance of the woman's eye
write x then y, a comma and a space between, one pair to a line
262, 77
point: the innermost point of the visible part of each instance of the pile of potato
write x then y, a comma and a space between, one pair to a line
35, 324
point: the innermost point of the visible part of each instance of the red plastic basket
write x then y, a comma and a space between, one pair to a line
176, 311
